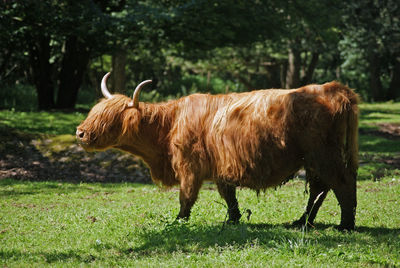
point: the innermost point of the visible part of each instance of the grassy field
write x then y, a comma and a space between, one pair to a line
55, 223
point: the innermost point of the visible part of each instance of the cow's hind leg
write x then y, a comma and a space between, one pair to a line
346, 194
228, 192
318, 192
331, 169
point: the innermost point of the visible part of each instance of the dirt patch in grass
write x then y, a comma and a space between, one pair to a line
393, 161
39, 157
386, 130
392, 129
377, 166
383, 165
44, 157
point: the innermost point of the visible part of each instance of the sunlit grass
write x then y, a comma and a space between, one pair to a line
54, 123
375, 113
50, 223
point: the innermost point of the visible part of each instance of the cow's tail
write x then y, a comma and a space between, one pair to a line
351, 146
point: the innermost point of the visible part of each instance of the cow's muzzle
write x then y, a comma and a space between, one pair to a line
80, 134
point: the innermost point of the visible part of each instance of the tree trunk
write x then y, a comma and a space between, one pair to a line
310, 69
293, 70
273, 75
118, 62
375, 77
208, 79
283, 71
394, 87
73, 66
5, 61
41, 69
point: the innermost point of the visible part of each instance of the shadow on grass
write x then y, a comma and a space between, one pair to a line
181, 237
195, 238
49, 257
378, 142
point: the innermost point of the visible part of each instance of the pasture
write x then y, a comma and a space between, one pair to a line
51, 215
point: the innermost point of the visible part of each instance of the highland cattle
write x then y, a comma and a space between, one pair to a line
255, 139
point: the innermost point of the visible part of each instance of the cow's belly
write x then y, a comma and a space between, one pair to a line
273, 170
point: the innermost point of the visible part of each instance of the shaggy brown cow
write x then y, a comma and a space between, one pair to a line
255, 139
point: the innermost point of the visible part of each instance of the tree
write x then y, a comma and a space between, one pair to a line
179, 29
60, 38
11, 44
311, 30
255, 44
374, 27
198, 26
294, 35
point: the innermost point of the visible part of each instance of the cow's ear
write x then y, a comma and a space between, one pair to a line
130, 121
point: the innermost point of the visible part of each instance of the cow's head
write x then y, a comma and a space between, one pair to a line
110, 119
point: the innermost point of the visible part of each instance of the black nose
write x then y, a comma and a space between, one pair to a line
80, 134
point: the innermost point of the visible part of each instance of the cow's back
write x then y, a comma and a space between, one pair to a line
254, 139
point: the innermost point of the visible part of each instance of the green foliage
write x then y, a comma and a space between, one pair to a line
370, 47
354, 67
63, 224
19, 97
253, 21
167, 41
24, 98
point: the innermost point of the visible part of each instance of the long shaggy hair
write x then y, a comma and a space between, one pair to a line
252, 139
256, 139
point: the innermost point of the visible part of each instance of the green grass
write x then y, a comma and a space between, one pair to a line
63, 224
53, 123
375, 113
378, 150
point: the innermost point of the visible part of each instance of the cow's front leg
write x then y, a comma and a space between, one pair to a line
228, 192
187, 196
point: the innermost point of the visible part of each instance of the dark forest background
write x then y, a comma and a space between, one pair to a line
53, 53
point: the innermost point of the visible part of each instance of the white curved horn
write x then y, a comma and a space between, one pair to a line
135, 101
104, 88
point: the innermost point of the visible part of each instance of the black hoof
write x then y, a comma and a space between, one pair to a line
345, 228
232, 221
180, 218
302, 223
234, 217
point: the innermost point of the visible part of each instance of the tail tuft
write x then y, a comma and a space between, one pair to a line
352, 133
